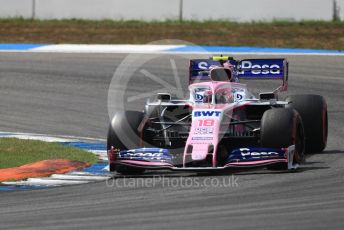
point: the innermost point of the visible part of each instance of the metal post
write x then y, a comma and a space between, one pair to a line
335, 11
33, 16
181, 10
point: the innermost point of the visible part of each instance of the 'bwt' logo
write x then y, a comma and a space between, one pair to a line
207, 113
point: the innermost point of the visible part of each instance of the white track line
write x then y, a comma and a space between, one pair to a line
153, 49
248, 53
185, 53
45, 182
79, 177
59, 180
82, 48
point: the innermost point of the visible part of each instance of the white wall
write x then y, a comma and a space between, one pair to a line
108, 9
249, 10
15, 8
235, 10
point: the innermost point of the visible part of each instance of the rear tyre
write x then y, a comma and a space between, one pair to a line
313, 110
122, 135
281, 128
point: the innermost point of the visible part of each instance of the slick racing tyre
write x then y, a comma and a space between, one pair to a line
313, 110
124, 125
281, 128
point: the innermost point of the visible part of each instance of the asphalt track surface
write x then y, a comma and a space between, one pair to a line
66, 94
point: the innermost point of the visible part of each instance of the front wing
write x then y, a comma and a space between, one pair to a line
159, 159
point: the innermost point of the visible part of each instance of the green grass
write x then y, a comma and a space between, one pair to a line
304, 34
15, 152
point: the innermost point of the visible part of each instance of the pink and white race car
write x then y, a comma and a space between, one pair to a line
222, 125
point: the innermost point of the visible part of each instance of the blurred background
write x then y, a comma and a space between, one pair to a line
315, 24
161, 10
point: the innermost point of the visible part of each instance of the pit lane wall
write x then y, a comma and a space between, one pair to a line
161, 10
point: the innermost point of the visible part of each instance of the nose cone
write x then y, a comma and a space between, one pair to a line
200, 151
204, 134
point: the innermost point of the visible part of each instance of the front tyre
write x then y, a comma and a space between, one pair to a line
313, 110
281, 128
122, 135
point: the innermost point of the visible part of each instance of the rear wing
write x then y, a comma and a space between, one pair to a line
199, 69
258, 69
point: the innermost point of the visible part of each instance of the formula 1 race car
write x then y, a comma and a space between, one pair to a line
222, 125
